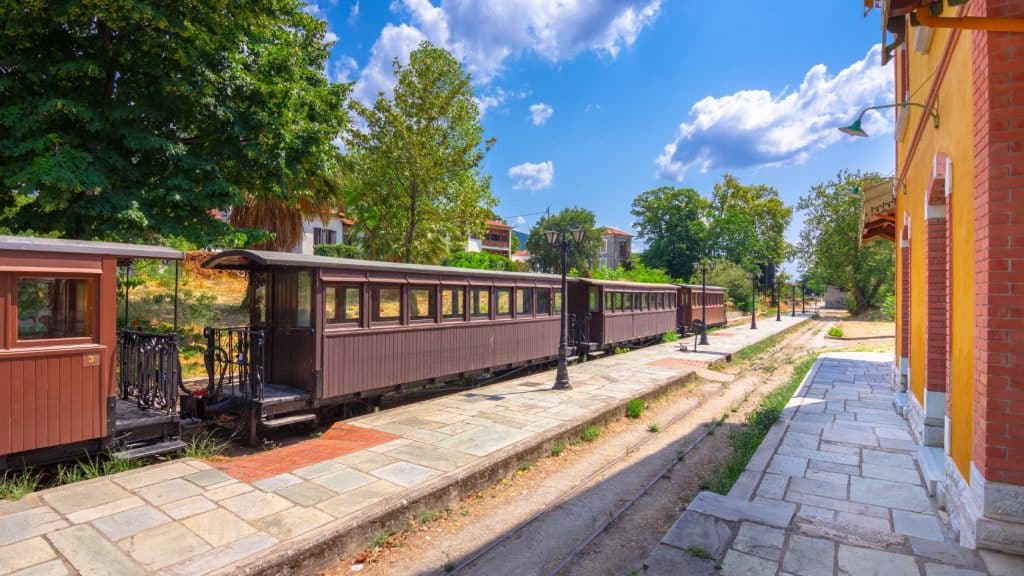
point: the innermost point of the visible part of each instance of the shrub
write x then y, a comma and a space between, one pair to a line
634, 408
669, 336
558, 448
339, 251
590, 432
888, 307
15, 485
654, 427
481, 261
835, 332
620, 350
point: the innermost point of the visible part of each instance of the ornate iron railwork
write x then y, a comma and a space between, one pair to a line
149, 369
235, 356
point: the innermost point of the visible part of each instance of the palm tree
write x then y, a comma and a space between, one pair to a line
319, 197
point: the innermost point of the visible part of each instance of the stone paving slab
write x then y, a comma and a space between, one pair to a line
861, 505
277, 510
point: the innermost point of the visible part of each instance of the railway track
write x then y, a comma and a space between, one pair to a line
791, 344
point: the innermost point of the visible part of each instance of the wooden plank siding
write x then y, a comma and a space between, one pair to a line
365, 360
625, 326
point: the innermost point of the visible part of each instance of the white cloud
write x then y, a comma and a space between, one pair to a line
754, 128
533, 177
353, 13
330, 37
342, 69
483, 34
519, 221
591, 108
540, 112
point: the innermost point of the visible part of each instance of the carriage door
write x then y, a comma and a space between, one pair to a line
291, 343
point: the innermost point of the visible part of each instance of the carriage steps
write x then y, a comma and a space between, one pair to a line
176, 446
275, 423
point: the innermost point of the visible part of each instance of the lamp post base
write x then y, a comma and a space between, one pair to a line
703, 337
562, 376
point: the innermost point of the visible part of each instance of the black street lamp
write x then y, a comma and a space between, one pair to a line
803, 301
778, 300
753, 301
561, 240
704, 267
794, 300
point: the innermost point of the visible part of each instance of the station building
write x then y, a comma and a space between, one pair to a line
956, 210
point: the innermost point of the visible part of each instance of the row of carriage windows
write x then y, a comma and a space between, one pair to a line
344, 304
621, 301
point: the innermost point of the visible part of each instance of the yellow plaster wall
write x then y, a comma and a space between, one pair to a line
954, 137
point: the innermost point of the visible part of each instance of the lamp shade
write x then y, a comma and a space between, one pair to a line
854, 129
552, 236
577, 234
711, 264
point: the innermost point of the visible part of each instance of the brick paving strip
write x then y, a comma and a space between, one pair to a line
311, 503
836, 487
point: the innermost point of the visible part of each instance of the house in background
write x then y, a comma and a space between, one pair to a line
521, 256
835, 296
316, 232
497, 239
616, 248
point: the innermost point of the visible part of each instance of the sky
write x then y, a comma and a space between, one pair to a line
594, 101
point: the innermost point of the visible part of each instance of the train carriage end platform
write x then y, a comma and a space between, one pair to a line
303, 506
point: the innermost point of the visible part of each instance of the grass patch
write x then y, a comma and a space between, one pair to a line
379, 540
669, 337
620, 350
835, 332
635, 408
16, 485
558, 448
745, 441
449, 566
758, 348
590, 432
430, 516
698, 552
654, 427
206, 446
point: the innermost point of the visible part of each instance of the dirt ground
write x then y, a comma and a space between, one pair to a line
599, 507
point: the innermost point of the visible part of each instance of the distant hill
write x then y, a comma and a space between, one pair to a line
522, 238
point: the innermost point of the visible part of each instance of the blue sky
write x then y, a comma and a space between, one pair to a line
593, 102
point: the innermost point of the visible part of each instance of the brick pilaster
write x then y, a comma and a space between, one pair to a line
937, 280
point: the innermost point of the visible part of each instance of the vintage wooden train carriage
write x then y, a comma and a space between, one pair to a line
330, 330
691, 306
59, 393
606, 313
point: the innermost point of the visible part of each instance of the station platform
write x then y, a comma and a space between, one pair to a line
309, 504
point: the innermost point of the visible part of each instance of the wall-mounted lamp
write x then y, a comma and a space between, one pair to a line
855, 129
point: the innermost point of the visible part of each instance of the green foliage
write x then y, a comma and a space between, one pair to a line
339, 251
835, 332
830, 245
748, 223
654, 427
380, 540
888, 307
638, 272
733, 278
590, 432
672, 221
16, 485
669, 337
758, 423
415, 184
698, 552
430, 516
481, 261
131, 120
205, 446
581, 258
558, 448
634, 408
620, 350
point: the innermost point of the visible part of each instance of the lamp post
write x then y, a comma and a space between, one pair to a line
753, 301
561, 239
794, 300
704, 267
803, 301
778, 300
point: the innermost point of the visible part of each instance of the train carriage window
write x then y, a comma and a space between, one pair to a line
480, 301
609, 303
618, 300
422, 303
387, 303
453, 302
627, 301
556, 302
55, 308
593, 300
544, 301
637, 302
304, 299
524, 301
503, 301
343, 304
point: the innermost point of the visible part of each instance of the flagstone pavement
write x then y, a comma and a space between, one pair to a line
835, 488
189, 516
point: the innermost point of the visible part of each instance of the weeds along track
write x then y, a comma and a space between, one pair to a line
755, 371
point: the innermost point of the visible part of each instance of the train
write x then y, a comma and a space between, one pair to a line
323, 334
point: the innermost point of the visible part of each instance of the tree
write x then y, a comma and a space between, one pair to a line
637, 273
132, 120
830, 240
481, 261
746, 214
581, 257
733, 278
415, 185
673, 222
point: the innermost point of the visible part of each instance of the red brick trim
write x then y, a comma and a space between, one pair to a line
937, 351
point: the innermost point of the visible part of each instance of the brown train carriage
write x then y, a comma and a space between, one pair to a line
59, 390
607, 312
333, 330
690, 301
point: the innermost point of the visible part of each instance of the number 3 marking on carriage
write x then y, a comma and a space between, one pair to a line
91, 360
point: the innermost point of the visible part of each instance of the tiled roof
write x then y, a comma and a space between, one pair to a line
616, 232
498, 224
